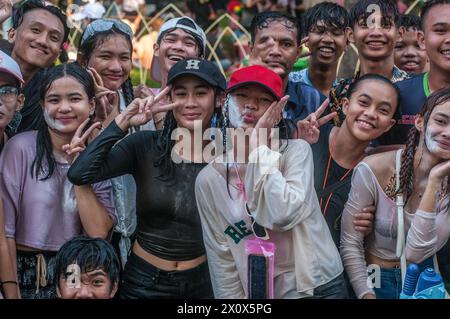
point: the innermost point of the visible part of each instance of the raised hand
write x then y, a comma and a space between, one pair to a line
78, 142
142, 91
308, 128
5, 10
106, 100
304, 53
267, 122
140, 111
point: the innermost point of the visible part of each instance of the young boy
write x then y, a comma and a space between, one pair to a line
374, 33
435, 40
87, 268
408, 55
325, 26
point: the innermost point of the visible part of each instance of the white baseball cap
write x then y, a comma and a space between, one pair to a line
91, 10
196, 31
8, 65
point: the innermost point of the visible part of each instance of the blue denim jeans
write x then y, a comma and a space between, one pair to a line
142, 280
391, 281
335, 289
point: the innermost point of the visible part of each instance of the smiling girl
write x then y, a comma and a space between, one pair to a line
421, 171
42, 208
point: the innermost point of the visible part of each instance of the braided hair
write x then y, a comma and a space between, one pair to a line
407, 163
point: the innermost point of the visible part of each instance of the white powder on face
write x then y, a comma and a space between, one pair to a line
234, 114
431, 144
52, 123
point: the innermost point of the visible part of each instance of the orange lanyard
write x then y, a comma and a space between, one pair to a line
326, 179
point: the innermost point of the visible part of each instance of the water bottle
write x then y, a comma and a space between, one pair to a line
427, 285
411, 277
430, 285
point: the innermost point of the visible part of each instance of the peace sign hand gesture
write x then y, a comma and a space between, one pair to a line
78, 142
140, 111
308, 128
106, 100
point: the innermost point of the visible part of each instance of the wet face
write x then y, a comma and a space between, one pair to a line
437, 133
174, 46
38, 40
436, 37
66, 105
374, 39
326, 43
94, 284
247, 104
408, 55
370, 110
10, 100
195, 99
112, 60
276, 47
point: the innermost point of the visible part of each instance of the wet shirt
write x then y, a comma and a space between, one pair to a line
41, 214
168, 224
331, 206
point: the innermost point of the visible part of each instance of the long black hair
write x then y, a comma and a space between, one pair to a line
87, 47
164, 143
44, 148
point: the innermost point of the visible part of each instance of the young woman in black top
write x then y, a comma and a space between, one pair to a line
371, 109
168, 258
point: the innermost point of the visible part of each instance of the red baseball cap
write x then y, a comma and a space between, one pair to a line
259, 75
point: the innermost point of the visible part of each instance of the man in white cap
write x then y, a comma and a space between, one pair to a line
89, 12
178, 39
11, 100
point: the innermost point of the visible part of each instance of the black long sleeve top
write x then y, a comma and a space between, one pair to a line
168, 223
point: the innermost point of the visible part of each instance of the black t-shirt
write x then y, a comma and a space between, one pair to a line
413, 94
168, 223
333, 211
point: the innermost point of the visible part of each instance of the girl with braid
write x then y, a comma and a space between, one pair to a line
424, 167
168, 259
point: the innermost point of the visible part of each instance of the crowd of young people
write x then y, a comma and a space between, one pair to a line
272, 184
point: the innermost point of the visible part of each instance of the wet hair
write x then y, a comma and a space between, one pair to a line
359, 10
89, 254
264, 19
410, 21
29, 5
87, 47
164, 142
407, 167
188, 23
427, 7
376, 77
44, 147
330, 13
